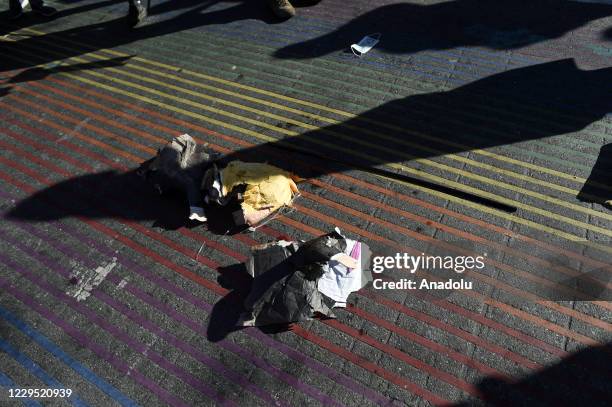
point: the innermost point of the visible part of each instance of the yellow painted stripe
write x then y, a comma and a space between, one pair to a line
254, 134
509, 173
367, 157
510, 217
430, 163
344, 114
347, 114
401, 167
494, 302
460, 146
459, 158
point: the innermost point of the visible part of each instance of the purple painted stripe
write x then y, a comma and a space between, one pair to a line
279, 346
176, 342
262, 364
113, 330
81, 339
297, 356
173, 340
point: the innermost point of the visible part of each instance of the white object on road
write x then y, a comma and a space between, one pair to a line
366, 44
86, 280
338, 280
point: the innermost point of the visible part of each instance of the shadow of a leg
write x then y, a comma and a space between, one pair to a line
598, 185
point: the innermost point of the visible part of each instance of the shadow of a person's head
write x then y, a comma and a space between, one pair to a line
107, 194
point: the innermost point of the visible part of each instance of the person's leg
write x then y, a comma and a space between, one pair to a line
39, 8
137, 12
15, 10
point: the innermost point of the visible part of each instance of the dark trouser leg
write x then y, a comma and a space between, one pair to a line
144, 3
36, 4
194, 197
138, 11
14, 5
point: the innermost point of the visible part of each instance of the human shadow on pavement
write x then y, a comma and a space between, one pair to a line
226, 312
581, 379
109, 34
530, 103
106, 194
121, 195
408, 28
597, 188
29, 19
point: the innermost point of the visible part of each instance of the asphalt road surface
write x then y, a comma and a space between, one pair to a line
471, 129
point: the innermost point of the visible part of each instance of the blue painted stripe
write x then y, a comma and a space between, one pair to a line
67, 359
37, 371
6, 382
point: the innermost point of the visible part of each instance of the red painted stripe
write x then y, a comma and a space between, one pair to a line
369, 366
356, 181
42, 148
35, 159
404, 383
406, 214
404, 357
381, 299
445, 376
524, 316
425, 318
316, 232
434, 346
75, 134
471, 293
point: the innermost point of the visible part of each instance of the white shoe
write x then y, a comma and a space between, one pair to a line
197, 213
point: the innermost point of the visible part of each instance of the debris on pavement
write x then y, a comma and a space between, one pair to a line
366, 44
340, 278
261, 190
293, 282
180, 165
266, 189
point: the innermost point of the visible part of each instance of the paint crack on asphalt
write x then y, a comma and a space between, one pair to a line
86, 279
76, 129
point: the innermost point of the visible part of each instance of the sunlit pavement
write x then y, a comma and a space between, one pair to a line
471, 129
